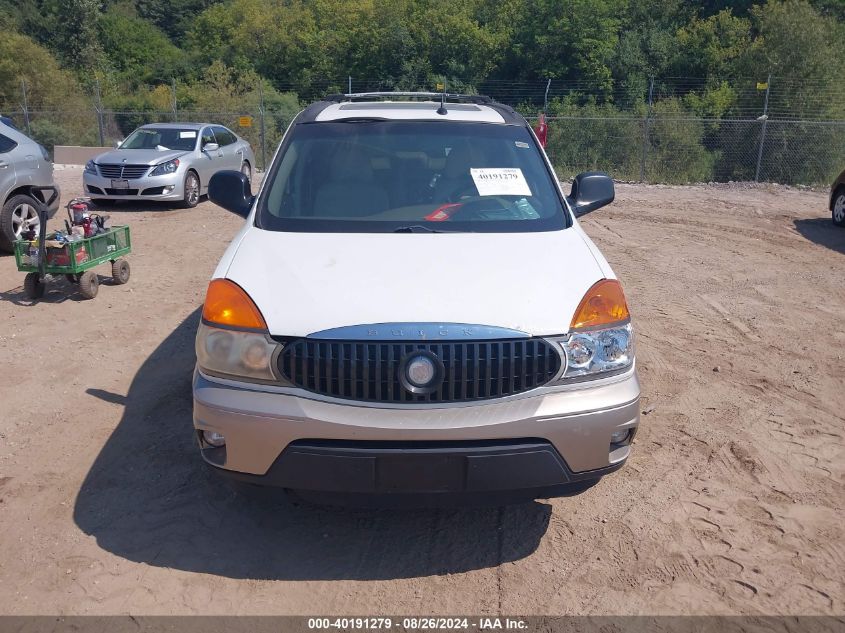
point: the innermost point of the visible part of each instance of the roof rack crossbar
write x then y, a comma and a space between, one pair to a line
454, 97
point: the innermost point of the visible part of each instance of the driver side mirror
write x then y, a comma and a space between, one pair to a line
210, 147
117, 144
591, 190
230, 189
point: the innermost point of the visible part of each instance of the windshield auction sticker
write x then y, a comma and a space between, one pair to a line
500, 181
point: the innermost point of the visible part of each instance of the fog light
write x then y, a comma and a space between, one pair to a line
213, 438
620, 437
168, 188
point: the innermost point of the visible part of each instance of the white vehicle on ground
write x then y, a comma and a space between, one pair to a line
412, 313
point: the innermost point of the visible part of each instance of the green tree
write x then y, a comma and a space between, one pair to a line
803, 50
647, 44
711, 47
174, 17
59, 109
138, 51
573, 40
75, 37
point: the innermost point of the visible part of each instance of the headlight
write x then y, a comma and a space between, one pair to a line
91, 167
169, 167
601, 338
237, 354
598, 351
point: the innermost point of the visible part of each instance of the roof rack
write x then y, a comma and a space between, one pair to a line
450, 97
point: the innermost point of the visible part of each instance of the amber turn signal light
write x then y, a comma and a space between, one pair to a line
227, 304
604, 304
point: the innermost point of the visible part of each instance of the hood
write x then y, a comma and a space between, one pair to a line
307, 282
138, 156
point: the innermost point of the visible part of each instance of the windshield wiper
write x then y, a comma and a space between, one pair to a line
419, 228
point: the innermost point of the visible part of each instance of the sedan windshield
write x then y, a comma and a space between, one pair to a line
161, 138
410, 177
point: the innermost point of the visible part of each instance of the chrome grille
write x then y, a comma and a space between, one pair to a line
369, 370
127, 172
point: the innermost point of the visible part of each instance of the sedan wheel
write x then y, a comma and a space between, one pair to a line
246, 171
192, 190
839, 210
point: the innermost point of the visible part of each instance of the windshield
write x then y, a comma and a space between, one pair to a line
161, 138
410, 176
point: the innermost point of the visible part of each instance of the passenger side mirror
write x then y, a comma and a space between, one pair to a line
210, 147
230, 189
590, 191
117, 144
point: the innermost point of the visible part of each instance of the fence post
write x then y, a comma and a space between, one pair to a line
646, 123
25, 109
261, 124
350, 85
546, 97
765, 120
175, 108
99, 108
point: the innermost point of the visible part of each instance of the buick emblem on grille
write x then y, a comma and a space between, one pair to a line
421, 372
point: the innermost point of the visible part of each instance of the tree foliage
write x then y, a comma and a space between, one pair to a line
606, 52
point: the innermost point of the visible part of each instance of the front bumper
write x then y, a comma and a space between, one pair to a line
294, 441
167, 187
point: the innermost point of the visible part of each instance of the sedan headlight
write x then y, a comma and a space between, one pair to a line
226, 352
91, 167
169, 167
598, 351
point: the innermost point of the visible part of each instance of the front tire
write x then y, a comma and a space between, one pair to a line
19, 212
838, 212
246, 170
191, 190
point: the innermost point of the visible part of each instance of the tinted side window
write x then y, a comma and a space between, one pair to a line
6, 144
224, 136
207, 136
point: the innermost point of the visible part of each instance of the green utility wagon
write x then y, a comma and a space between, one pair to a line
75, 260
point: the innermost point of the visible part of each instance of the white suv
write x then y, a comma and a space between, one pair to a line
411, 312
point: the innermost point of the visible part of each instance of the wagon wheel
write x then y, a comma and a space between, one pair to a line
120, 271
89, 284
33, 286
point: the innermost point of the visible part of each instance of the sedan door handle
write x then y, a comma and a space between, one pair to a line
3, 164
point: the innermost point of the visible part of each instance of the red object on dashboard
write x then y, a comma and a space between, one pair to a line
443, 212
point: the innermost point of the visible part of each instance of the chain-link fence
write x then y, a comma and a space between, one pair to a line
687, 150
639, 131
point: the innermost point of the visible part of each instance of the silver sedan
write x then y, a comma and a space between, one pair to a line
168, 162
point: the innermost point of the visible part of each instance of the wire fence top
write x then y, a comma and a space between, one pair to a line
652, 129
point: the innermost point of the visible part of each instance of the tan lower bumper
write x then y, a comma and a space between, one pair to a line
258, 425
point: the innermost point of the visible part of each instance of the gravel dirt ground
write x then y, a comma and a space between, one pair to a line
732, 502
